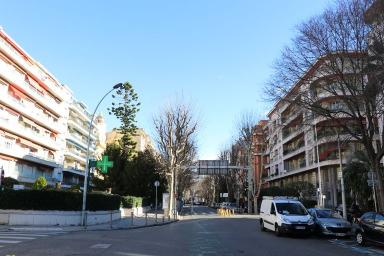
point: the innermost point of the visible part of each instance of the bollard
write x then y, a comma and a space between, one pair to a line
146, 219
169, 218
155, 217
131, 218
163, 218
111, 220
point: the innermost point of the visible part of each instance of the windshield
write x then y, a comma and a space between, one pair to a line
327, 214
291, 209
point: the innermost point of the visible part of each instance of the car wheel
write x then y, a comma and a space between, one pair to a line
360, 238
277, 230
262, 228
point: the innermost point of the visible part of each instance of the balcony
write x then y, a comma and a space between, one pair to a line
12, 125
293, 146
33, 69
80, 127
14, 150
76, 154
80, 140
31, 112
80, 111
14, 77
294, 165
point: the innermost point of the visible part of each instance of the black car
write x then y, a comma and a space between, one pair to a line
371, 228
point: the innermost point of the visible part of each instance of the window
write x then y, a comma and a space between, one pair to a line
379, 220
291, 209
273, 210
368, 218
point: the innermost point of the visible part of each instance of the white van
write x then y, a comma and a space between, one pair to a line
285, 215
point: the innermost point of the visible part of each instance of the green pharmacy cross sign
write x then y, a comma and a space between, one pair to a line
102, 164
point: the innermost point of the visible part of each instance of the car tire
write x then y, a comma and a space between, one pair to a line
360, 239
262, 228
277, 230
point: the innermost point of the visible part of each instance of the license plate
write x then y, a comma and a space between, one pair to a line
300, 227
340, 234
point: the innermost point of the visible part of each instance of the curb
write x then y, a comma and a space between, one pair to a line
51, 229
127, 228
35, 229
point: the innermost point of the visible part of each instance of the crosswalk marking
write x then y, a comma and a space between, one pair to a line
9, 237
9, 241
21, 234
18, 237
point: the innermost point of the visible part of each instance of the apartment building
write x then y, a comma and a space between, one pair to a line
43, 128
142, 139
32, 116
259, 158
305, 147
75, 154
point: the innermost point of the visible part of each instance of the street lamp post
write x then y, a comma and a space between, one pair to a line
157, 183
83, 218
343, 201
320, 190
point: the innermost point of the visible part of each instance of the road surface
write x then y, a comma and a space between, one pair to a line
197, 236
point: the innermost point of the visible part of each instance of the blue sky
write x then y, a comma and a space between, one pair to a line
215, 54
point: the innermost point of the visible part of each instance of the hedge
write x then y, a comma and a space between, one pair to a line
56, 200
131, 201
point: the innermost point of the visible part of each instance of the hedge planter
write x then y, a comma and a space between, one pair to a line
55, 218
57, 200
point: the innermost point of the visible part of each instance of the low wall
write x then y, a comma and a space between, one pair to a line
137, 211
56, 218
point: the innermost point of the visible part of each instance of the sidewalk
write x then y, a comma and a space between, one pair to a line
124, 223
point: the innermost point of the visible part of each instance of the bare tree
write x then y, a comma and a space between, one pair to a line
176, 129
245, 127
333, 57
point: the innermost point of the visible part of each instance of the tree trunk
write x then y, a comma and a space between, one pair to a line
171, 194
379, 188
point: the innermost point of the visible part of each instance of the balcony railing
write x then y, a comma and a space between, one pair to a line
290, 149
289, 166
15, 77
32, 68
31, 111
12, 148
23, 131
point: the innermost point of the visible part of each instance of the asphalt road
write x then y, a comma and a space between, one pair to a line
197, 236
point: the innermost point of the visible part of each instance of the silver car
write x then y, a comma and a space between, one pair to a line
329, 222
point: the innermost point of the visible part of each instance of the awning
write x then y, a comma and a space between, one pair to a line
32, 82
28, 143
27, 121
14, 45
9, 135
16, 93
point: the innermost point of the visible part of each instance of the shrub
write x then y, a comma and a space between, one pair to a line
40, 183
56, 200
131, 201
8, 182
278, 191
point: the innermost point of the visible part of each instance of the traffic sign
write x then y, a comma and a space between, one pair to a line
157, 183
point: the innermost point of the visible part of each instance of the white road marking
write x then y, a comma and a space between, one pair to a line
100, 246
21, 234
18, 237
9, 241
